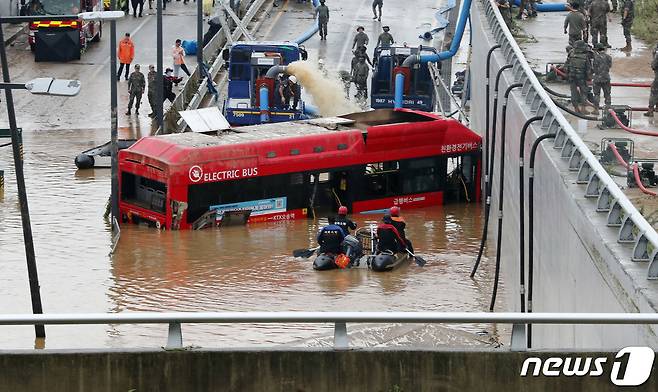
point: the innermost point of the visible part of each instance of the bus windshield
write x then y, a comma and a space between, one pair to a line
54, 7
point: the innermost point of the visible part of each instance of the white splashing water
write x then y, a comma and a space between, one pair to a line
327, 91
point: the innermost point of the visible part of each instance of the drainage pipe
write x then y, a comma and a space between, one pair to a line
264, 104
487, 206
486, 119
312, 30
574, 113
620, 159
399, 91
501, 191
547, 7
435, 57
522, 211
531, 216
628, 129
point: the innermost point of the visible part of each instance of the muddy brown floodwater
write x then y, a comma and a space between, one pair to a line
233, 269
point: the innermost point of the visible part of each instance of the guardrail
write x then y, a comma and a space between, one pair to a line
339, 319
194, 91
633, 228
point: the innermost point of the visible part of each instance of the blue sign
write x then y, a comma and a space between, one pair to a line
257, 207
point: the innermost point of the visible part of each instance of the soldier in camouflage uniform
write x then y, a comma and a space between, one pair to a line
151, 77
653, 99
627, 16
136, 84
578, 69
360, 78
598, 13
576, 23
601, 79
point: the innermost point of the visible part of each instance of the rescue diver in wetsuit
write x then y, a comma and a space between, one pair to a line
400, 224
331, 237
343, 221
388, 237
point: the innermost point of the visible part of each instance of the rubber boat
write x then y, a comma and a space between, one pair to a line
100, 156
352, 248
386, 261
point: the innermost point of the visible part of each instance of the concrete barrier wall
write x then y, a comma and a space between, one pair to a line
288, 371
577, 267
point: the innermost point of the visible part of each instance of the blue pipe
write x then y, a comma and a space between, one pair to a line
547, 7
264, 104
399, 90
311, 110
310, 32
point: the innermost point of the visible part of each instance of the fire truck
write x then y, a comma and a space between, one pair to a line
62, 40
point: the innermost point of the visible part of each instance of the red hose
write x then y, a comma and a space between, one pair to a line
617, 155
615, 84
638, 181
631, 130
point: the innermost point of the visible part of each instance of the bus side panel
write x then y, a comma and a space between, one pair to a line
409, 201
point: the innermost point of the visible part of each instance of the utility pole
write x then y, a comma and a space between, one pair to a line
199, 37
17, 148
159, 78
114, 198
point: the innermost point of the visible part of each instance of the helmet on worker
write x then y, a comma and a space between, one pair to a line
292, 79
395, 211
342, 210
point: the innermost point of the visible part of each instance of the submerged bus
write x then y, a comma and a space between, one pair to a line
365, 161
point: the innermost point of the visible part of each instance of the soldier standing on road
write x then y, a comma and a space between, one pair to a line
151, 78
385, 39
140, 4
576, 23
136, 85
126, 54
360, 77
578, 70
599, 16
601, 78
322, 13
653, 98
360, 39
360, 52
627, 16
375, 5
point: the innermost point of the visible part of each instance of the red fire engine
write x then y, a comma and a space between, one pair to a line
62, 40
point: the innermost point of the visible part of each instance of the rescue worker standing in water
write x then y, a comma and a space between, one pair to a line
344, 222
400, 225
331, 237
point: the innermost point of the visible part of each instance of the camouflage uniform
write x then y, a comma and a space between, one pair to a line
601, 79
505, 9
598, 13
653, 98
323, 19
136, 84
576, 23
360, 77
628, 14
151, 87
578, 69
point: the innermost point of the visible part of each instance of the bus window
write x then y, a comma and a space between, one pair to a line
421, 175
382, 179
143, 192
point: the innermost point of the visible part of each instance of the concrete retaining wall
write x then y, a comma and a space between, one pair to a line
577, 258
286, 371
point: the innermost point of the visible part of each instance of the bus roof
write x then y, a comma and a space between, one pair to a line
379, 130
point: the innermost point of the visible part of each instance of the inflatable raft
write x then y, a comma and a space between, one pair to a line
100, 156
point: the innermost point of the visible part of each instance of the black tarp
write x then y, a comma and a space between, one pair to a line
57, 44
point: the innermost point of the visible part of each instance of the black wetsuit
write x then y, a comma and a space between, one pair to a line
346, 224
330, 239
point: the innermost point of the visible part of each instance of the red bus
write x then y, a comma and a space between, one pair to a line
365, 161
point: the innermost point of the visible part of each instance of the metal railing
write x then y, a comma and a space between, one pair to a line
339, 319
633, 227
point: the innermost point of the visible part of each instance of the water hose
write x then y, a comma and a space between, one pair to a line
524, 131
264, 104
620, 159
612, 84
487, 206
312, 30
628, 129
638, 181
531, 217
574, 113
501, 192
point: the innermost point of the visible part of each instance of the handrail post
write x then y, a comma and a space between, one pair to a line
175, 336
341, 341
519, 339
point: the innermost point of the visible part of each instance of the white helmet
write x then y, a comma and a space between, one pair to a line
321, 61
293, 79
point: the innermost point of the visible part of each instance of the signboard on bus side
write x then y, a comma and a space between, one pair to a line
257, 207
197, 174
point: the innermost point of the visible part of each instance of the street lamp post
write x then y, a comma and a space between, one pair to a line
199, 37
114, 149
46, 86
159, 77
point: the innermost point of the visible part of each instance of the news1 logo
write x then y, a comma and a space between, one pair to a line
631, 366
